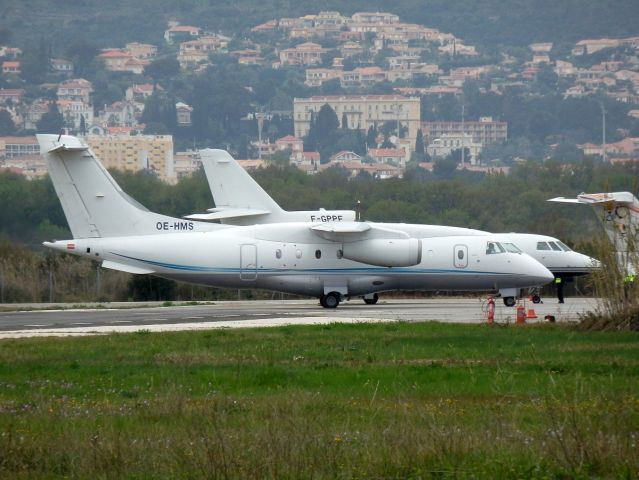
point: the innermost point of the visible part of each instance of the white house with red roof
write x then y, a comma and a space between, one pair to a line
289, 142
181, 33
394, 156
345, 156
308, 53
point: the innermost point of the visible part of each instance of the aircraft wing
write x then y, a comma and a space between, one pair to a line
564, 200
621, 198
221, 213
354, 231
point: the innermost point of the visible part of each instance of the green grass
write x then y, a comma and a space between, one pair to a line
340, 401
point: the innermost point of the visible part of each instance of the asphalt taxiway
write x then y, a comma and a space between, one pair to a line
86, 321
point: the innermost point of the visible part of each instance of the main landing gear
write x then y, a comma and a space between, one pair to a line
330, 300
371, 299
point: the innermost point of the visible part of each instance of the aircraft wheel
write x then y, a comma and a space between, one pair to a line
321, 300
371, 301
331, 300
509, 301
536, 299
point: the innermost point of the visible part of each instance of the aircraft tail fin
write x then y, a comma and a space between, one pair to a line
93, 203
232, 187
620, 217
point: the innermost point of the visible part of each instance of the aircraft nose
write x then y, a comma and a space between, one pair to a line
591, 262
537, 273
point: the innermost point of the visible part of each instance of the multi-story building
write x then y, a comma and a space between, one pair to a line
363, 77
308, 53
73, 111
14, 147
361, 112
315, 77
180, 33
376, 17
137, 152
485, 131
11, 96
62, 65
141, 50
11, 67
75, 89
448, 143
197, 51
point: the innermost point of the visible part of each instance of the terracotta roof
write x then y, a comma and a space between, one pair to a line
114, 54
387, 152
184, 28
288, 138
31, 140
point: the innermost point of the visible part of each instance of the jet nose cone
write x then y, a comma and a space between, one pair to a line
538, 273
592, 263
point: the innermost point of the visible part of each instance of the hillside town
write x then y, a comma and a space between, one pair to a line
370, 75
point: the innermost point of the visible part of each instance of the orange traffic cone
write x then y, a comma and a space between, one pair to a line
531, 313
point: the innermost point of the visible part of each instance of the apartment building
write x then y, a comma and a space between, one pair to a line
14, 147
485, 131
308, 53
361, 111
137, 152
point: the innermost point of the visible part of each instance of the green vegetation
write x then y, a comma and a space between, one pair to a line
486, 22
340, 401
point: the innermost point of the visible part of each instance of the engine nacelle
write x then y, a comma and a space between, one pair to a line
385, 252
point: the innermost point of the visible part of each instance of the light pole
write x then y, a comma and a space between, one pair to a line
462, 138
603, 132
260, 123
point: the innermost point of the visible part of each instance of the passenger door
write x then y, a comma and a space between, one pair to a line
460, 259
248, 262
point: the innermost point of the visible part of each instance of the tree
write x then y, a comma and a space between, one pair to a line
156, 128
344, 121
163, 69
419, 142
327, 123
371, 137
7, 127
52, 121
83, 125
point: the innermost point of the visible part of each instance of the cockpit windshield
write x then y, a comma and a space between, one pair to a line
554, 246
565, 247
511, 247
494, 248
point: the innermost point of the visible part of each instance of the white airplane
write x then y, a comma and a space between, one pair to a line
326, 260
619, 213
246, 194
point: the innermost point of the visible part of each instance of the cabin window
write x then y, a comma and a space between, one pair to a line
278, 253
542, 246
318, 254
554, 246
460, 254
340, 253
494, 248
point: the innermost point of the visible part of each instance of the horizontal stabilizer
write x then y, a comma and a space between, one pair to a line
223, 213
65, 148
125, 268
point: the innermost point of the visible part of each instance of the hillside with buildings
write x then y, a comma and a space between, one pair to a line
365, 91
